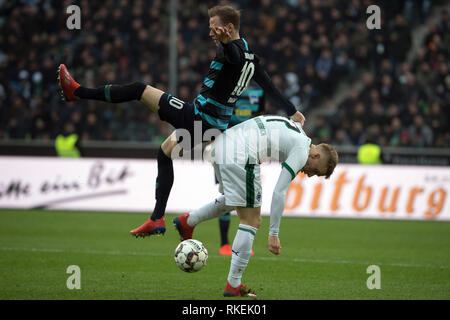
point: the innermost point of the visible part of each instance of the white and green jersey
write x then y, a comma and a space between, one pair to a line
262, 139
238, 152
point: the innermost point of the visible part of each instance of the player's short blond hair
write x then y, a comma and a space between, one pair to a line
227, 14
332, 160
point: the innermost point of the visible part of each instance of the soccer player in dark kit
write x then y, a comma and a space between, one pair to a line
229, 74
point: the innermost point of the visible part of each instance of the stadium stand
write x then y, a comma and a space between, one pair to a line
308, 47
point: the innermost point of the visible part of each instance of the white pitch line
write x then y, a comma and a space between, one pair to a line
365, 263
324, 261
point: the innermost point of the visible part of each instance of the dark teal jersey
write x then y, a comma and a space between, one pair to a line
229, 74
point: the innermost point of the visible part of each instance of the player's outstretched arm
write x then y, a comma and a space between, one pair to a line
262, 78
298, 117
276, 209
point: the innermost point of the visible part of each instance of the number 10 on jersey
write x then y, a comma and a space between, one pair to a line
246, 74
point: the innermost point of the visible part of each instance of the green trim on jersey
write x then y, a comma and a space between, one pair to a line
260, 124
287, 124
250, 185
247, 230
288, 168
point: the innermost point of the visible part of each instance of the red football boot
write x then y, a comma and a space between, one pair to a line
240, 291
183, 228
150, 227
225, 250
66, 83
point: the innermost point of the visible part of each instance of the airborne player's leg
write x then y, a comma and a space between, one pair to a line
180, 115
72, 90
170, 109
156, 223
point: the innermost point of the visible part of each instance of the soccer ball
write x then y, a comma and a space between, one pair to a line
191, 255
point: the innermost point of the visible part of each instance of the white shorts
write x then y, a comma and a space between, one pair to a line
240, 183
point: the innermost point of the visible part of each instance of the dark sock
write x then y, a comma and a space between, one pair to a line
164, 182
224, 225
113, 93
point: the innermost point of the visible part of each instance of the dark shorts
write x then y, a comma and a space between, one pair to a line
182, 115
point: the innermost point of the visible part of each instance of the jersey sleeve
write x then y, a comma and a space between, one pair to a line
262, 78
230, 52
278, 201
296, 160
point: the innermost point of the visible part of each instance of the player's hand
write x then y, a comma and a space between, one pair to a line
222, 34
298, 117
274, 244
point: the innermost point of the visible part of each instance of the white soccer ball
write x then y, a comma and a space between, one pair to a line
191, 255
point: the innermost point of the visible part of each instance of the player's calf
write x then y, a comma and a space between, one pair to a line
113, 93
72, 90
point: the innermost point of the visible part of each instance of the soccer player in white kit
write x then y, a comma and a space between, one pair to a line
236, 156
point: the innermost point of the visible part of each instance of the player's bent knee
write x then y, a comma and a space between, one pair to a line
257, 222
150, 97
169, 144
249, 216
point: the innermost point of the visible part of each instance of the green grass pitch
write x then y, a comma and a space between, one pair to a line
320, 258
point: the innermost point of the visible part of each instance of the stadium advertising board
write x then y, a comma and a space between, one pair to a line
353, 191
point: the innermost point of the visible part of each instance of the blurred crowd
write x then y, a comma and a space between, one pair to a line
402, 104
307, 46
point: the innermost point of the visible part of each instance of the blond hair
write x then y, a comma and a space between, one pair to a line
332, 158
